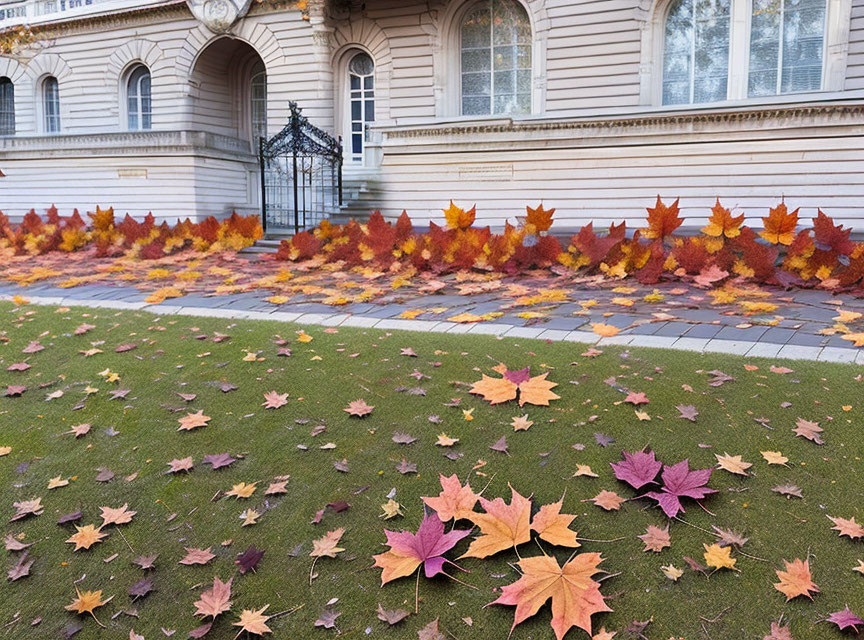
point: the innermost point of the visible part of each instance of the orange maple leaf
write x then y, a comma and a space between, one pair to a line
780, 225
358, 408
215, 600
848, 527
536, 390
193, 421
503, 526
459, 218
796, 580
454, 501
662, 220
575, 596
722, 223
539, 218
554, 527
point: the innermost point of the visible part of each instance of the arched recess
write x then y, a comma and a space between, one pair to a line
39, 68
446, 52
349, 38
220, 97
256, 35
132, 53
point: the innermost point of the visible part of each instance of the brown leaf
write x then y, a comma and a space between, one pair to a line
655, 538
215, 600
391, 616
197, 556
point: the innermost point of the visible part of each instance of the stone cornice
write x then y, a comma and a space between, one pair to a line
131, 17
107, 20
696, 121
145, 144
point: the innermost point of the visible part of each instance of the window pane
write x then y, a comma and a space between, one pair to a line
786, 42
696, 52
803, 29
7, 107
475, 106
496, 45
51, 104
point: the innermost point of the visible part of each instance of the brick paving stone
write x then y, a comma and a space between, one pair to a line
731, 333
807, 340
676, 329
836, 354
797, 352
777, 335
703, 330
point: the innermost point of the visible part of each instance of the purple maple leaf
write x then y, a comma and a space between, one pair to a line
680, 482
428, 545
519, 376
845, 619
637, 469
249, 559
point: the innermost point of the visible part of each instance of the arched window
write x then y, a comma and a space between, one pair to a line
258, 102
51, 105
361, 101
138, 102
7, 107
787, 40
696, 51
496, 59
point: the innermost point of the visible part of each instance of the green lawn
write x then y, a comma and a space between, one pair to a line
741, 417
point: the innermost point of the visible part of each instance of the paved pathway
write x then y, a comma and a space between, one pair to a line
685, 319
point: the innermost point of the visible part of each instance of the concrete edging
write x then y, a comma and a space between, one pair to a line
700, 345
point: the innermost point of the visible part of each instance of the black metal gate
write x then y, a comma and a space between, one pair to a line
301, 176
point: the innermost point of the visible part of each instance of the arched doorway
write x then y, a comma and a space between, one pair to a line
229, 91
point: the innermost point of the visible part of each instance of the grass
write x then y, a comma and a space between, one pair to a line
322, 376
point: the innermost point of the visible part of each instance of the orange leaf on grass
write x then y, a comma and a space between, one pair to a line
575, 596
796, 580
193, 421
454, 501
535, 390
503, 526
554, 527
215, 600
358, 408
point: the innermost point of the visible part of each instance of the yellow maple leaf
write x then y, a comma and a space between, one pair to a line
254, 621
719, 557
774, 457
87, 602
86, 537
733, 464
242, 490
605, 330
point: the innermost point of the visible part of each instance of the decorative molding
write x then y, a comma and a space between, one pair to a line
218, 15
127, 143
817, 115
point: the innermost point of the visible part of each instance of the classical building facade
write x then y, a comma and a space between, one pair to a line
592, 106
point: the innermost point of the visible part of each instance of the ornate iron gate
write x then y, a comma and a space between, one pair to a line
301, 175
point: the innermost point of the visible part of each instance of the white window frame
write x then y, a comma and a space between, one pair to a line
836, 40
257, 71
127, 78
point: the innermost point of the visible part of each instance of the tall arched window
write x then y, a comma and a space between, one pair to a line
258, 102
787, 40
696, 51
361, 101
138, 101
7, 107
51, 105
496, 59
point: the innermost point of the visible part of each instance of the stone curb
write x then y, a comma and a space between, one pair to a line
700, 345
